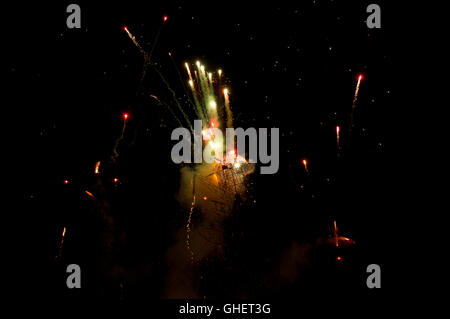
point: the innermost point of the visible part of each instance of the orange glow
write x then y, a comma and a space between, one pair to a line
336, 234
205, 198
64, 232
115, 179
89, 194
305, 164
97, 167
337, 129
339, 258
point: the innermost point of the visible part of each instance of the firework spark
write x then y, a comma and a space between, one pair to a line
89, 194
188, 225
61, 243
337, 136
115, 153
97, 167
135, 42
336, 234
221, 183
355, 99
305, 164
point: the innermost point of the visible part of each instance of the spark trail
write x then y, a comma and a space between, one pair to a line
174, 98
337, 137
97, 168
227, 108
115, 153
58, 256
206, 90
157, 37
336, 234
147, 56
188, 225
305, 164
355, 99
135, 42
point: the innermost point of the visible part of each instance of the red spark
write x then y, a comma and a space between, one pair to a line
125, 116
66, 181
125, 28
360, 77
165, 18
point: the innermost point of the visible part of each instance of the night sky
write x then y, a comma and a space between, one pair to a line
293, 67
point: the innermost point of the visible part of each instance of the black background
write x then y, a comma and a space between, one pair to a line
70, 87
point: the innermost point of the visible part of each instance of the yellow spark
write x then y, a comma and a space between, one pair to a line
220, 72
191, 83
213, 104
